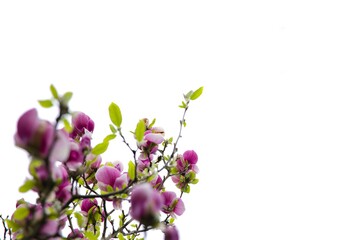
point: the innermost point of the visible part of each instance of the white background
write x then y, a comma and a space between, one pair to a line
276, 130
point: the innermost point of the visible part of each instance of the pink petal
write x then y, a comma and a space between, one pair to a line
168, 197
190, 156
180, 207
154, 137
27, 125
106, 176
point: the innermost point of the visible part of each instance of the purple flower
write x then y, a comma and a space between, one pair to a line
76, 157
33, 134
76, 234
121, 182
61, 149
157, 182
50, 228
154, 137
190, 156
63, 191
172, 204
106, 177
88, 204
80, 122
171, 233
145, 203
187, 162
94, 159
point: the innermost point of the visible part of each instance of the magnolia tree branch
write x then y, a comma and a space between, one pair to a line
68, 175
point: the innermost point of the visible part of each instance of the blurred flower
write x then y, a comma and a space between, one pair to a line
33, 134
80, 122
146, 203
171, 233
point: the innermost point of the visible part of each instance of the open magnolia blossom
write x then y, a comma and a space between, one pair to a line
83, 196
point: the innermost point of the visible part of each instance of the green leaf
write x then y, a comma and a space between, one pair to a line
121, 237
12, 225
80, 219
115, 114
112, 128
183, 105
29, 184
90, 235
67, 97
109, 188
69, 212
109, 137
195, 181
21, 213
188, 95
183, 123
45, 103
197, 93
100, 148
54, 92
34, 164
131, 170
152, 123
140, 130
67, 125
186, 189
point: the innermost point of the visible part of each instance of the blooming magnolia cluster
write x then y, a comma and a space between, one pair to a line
80, 196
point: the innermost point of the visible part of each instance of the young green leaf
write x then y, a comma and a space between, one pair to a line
100, 148
80, 219
188, 95
21, 213
186, 189
67, 125
90, 235
152, 123
12, 225
109, 137
115, 114
54, 92
29, 184
131, 170
67, 97
45, 103
121, 236
112, 128
140, 130
197, 93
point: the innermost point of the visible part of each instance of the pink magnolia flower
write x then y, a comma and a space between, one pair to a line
153, 137
33, 134
61, 149
76, 157
94, 159
76, 234
63, 191
172, 204
171, 233
190, 156
50, 228
121, 182
187, 162
157, 182
106, 177
85, 142
80, 122
145, 203
88, 204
